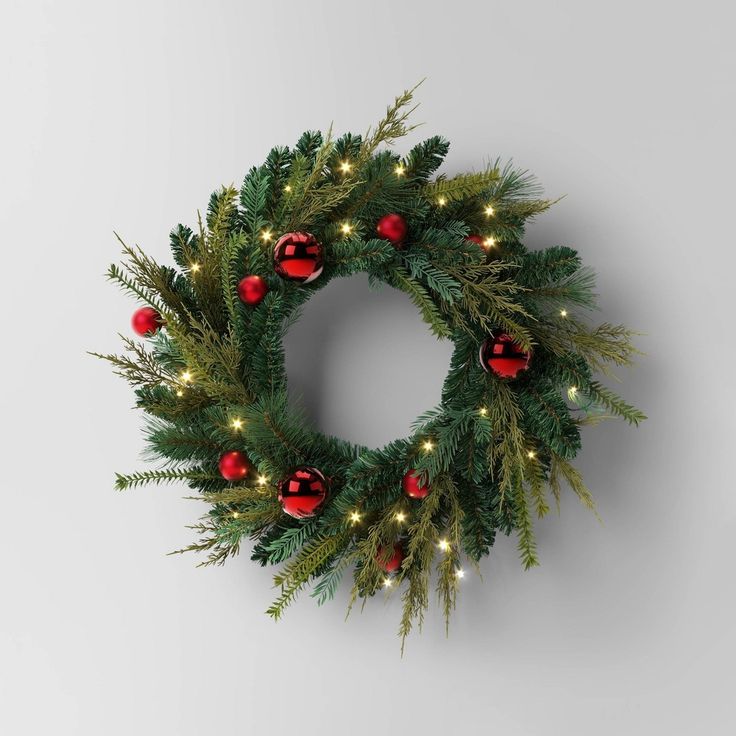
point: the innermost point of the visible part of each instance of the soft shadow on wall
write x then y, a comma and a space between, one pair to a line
363, 363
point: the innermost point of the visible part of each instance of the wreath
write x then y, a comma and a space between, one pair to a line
493, 455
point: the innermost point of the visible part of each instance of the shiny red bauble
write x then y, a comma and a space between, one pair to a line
302, 492
394, 561
252, 289
392, 227
298, 257
502, 355
234, 465
415, 484
146, 321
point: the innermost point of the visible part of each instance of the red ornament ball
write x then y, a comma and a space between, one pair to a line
479, 240
394, 562
502, 355
302, 492
234, 465
146, 321
298, 257
252, 289
392, 227
415, 484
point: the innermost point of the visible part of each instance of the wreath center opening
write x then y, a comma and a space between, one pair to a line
362, 362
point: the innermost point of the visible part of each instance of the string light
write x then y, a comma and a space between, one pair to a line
346, 228
180, 393
194, 267
428, 445
483, 411
531, 454
489, 242
444, 545
563, 313
399, 170
490, 211
266, 235
186, 377
262, 480
387, 582
572, 392
459, 573
346, 167
354, 517
236, 423
287, 188
400, 517
235, 514
442, 201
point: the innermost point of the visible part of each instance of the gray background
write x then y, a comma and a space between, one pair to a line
126, 115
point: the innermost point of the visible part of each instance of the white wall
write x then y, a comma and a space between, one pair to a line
126, 115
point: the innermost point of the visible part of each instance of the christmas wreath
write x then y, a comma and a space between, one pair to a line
210, 375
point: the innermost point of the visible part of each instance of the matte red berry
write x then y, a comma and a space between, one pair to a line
252, 290
392, 227
394, 562
415, 484
234, 465
146, 321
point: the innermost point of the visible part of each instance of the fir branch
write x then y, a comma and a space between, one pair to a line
157, 477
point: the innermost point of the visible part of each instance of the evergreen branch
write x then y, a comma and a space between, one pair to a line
157, 477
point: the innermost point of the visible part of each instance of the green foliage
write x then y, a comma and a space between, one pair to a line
494, 451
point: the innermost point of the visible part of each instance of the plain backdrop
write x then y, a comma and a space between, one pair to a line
125, 116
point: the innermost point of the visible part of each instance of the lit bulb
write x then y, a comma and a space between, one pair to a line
531, 454
490, 211
483, 411
400, 517
262, 480
444, 545
186, 377
345, 167
563, 313
346, 228
459, 573
266, 235
442, 201
387, 582
236, 423
428, 446
287, 188
400, 170
354, 517
180, 393
194, 267
489, 242
235, 514
572, 391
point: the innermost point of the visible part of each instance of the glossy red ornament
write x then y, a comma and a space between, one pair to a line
234, 465
394, 562
298, 257
146, 321
502, 355
302, 492
252, 289
415, 484
476, 239
392, 227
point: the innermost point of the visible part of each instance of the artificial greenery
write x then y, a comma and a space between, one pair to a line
496, 452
